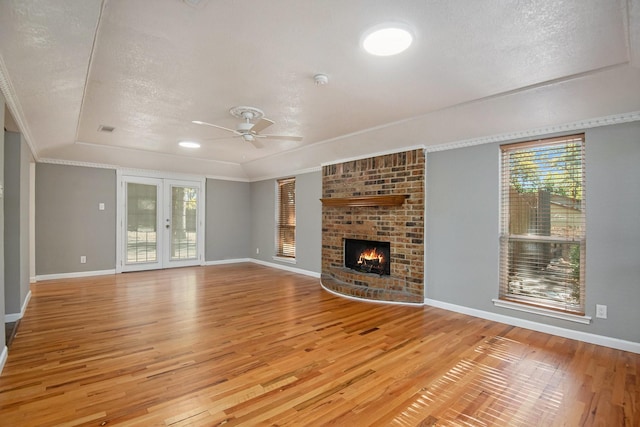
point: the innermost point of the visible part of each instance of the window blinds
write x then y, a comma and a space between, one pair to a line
542, 225
286, 244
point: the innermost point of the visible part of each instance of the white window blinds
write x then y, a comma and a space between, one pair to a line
542, 240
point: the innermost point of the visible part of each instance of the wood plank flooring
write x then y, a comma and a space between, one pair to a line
245, 344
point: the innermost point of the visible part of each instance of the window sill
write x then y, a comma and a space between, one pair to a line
542, 311
284, 259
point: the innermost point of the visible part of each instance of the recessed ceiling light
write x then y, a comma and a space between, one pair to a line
189, 144
387, 39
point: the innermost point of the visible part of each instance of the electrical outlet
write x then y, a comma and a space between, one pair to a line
83, 259
601, 311
100, 206
257, 250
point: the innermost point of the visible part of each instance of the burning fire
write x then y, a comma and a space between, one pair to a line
370, 255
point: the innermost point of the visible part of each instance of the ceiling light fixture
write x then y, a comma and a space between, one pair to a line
189, 144
387, 39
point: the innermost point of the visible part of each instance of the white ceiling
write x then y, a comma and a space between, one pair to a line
149, 67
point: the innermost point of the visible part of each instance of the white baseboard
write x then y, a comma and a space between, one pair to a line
286, 267
13, 317
42, 277
266, 264
616, 343
227, 261
3, 357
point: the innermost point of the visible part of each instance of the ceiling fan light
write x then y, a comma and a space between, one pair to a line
189, 144
387, 39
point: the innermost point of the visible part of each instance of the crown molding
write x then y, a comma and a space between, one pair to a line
149, 173
12, 102
159, 153
308, 170
134, 171
226, 178
533, 133
77, 163
511, 136
376, 154
280, 175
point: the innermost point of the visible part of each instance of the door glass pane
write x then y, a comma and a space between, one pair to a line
142, 214
184, 208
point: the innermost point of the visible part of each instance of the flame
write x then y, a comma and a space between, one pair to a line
370, 255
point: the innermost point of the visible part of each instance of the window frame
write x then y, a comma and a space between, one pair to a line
534, 304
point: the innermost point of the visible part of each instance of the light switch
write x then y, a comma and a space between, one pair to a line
101, 206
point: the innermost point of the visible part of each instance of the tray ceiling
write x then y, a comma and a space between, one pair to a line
148, 68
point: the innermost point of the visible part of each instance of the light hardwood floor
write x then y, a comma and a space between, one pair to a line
245, 344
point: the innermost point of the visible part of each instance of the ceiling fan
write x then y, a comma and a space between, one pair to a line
247, 129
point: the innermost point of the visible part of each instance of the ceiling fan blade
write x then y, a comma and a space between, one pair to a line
283, 137
198, 122
262, 124
256, 143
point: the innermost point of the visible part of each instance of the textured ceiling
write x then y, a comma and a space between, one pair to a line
150, 67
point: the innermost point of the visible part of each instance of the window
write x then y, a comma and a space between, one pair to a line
542, 240
286, 217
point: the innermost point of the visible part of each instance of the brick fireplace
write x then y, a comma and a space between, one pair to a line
375, 199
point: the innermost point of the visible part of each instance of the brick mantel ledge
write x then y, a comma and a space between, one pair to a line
365, 201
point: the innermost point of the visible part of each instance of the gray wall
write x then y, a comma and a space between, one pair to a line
613, 228
26, 158
228, 220
240, 217
462, 226
2, 312
17, 157
308, 221
462, 230
68, 222
263, 205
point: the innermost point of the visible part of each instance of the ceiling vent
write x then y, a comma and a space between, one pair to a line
107, 129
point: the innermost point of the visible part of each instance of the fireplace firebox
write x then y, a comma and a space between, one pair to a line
368, 256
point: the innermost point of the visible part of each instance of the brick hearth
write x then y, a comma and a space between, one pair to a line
403, 225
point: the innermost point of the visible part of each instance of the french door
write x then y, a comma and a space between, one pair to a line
161, 223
